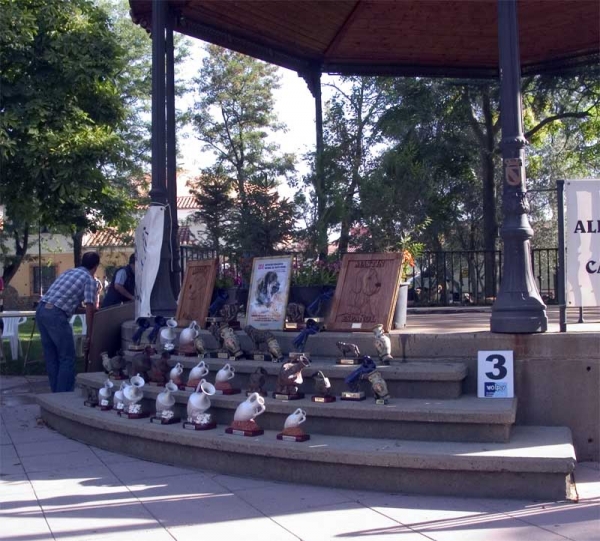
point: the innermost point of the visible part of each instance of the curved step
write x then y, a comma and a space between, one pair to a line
467, 418
537, 463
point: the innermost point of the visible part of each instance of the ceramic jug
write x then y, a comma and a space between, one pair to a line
250, 408
383, 344
166, 400
188, 335
199, 401
225, 374
105, 392
119, 398
295, 419
168, 335
175, 374
133, 393
197, 373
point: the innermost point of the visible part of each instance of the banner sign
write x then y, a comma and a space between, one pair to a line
269, 290
582, 242
148, 242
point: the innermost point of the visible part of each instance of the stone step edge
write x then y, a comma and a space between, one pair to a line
483, 457
398, 371
430, 410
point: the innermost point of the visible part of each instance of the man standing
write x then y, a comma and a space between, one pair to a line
52, 316
122, 287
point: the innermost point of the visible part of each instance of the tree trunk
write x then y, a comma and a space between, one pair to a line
21, 243
77, 247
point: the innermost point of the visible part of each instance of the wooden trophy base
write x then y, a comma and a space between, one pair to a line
323, 399
381, 401
356, 397
294, 326
162, 421
228, 391
199, 426
261, 357
140, 415
105, 408
287, 396
90, 404
244, 428
293, 437
349, 362
226, 355
136, 347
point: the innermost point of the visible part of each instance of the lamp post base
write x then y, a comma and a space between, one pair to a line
519, 321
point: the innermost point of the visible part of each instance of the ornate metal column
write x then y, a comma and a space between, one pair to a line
518, 307
162, 301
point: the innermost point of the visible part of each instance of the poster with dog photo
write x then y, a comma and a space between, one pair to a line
269, 290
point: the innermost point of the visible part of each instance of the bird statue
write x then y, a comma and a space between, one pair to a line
114, 366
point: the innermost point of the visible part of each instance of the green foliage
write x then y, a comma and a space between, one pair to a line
317, 272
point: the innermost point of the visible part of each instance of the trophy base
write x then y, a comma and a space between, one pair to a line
136, 347
385, 361
105, 408
118, 377
381, 401
161, 421
226, 355
293, 355
90, 404
228, 391
199, 426
287, 437
347, 395
261, 357
323, 399
248, 433
264, 394
288, 396
294, 326
140, 415
348, 362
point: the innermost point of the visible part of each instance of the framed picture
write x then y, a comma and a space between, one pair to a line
269, 291
366, 292
196, 292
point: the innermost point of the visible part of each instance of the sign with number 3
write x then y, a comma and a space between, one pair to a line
495, 375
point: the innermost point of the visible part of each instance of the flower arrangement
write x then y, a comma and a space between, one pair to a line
408, 263
228, 279
311, 272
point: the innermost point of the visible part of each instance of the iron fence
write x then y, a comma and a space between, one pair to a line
444, 278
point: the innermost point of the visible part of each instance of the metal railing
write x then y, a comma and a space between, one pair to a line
438, 278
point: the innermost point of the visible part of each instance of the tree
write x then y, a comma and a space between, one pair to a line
62, 119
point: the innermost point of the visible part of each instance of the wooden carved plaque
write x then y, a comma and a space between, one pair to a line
196, 292
366, 292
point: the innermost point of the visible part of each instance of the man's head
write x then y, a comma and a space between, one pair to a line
132, 261
90, 261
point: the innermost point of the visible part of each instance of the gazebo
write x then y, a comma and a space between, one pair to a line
442, 38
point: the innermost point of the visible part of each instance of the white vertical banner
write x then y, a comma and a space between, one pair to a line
582, 242
148, 243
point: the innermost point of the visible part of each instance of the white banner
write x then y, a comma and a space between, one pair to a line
583, 242
148, 242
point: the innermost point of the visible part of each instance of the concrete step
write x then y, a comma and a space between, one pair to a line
418, 379
466, 418
537, 462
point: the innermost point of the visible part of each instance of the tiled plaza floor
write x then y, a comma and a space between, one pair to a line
55, 488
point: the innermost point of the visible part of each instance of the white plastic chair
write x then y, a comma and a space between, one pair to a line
79, 336
11, 333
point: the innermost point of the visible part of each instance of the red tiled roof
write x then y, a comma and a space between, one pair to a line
187, 202
110, 238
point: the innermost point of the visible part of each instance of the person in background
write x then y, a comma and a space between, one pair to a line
122, 287
61, 301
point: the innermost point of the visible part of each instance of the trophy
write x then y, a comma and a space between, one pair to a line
379, 387
104, 395
350, 353
143, 324
259, 338
186, 339
114, 366
291, 427
231, 345
159, 369
322, 388
222, 379
290, 376
294, 316
198, 403
164, 406
243, 419
133, 395
142, 362
200, 371
353, 380
176, 376
383, 344
159, 322
91, 400
200, 347
257, 381
168, 335
228, 314
299, 342
119, 398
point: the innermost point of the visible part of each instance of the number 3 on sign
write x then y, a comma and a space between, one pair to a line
495, 374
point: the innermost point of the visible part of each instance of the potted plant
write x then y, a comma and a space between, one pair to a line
313, 285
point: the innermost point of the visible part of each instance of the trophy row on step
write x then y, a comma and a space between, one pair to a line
126, 403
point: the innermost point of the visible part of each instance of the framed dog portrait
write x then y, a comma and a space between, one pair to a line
196, 292
366, 292
269, 291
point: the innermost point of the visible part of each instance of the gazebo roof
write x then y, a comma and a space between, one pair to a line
456, 38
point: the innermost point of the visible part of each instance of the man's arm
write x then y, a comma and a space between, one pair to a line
124, 292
